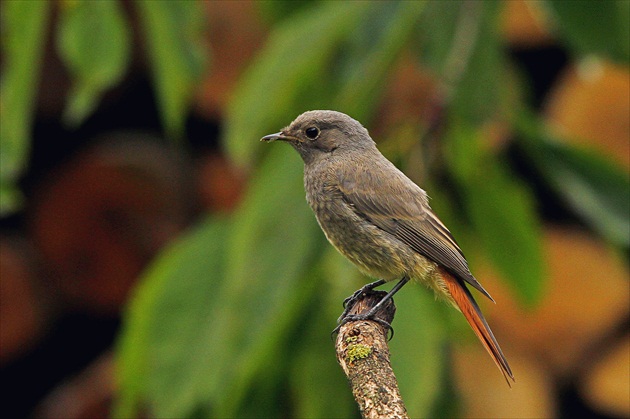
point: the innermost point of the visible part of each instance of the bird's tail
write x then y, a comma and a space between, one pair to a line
469, 308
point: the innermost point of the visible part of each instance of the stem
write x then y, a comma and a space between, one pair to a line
363, 354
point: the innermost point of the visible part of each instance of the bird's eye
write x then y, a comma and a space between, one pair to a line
312, 132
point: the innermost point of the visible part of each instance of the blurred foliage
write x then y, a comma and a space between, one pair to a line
173, 34
460, 44
93, 40
23, 38
592, 185
494, 199
233, 319
270, 307
594, 27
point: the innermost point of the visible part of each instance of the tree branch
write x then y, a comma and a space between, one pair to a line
363, 354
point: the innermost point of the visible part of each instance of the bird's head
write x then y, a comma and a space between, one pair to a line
317, 134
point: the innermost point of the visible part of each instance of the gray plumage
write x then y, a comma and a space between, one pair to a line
378, 218
361, 200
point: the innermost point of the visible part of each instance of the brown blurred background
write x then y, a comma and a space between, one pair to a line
101, 201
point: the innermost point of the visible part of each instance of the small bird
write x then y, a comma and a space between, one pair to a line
379, 219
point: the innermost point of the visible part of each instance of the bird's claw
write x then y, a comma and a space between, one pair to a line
360, 317
355, 295
350, 298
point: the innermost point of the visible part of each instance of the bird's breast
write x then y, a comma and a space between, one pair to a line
374, 251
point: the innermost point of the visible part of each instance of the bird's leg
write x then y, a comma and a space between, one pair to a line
349, 302
385, 299
345, 317
368, 287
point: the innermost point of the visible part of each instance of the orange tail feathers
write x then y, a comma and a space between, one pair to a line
469, 308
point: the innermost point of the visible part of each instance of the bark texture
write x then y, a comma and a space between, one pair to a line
363, 354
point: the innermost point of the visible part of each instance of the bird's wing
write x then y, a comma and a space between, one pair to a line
400, 207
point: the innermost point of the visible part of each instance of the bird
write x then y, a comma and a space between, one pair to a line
380, 220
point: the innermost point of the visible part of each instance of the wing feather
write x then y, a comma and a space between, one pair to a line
401, 208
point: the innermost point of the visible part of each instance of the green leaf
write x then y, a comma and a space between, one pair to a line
276, 10
214, 311
274, 244
436, 32
371, 51
418, 348
287, 77
93, 40
173, 31
161, 352
502, 212
319, 386
24, 25
478, 94
460, 42
318, 383
597, 27
10, 198
448, 403
504, 216
595, 187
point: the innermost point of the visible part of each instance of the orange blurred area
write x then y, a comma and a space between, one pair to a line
523, 24
590, 105
102, 217
568, 339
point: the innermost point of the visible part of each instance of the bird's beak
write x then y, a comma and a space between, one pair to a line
277, 136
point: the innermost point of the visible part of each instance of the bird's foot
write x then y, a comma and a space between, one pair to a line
352, 300
370, 315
